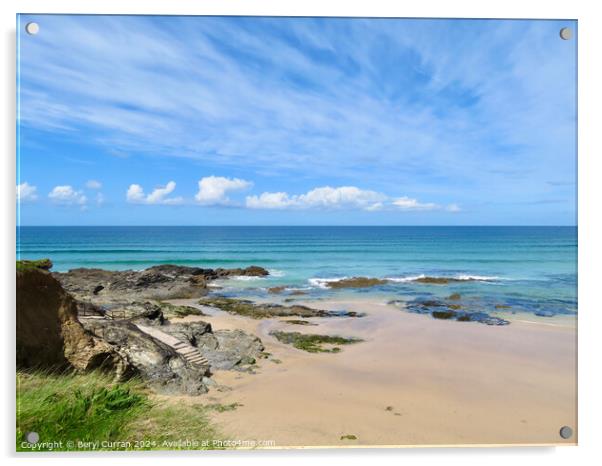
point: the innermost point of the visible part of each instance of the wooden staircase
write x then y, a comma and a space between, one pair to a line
188, 352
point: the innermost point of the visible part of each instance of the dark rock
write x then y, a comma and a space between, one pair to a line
224, 349
162, 282
356, 282
266, 310
448, 311
191, 332
174, 310
444, 314
152, 315
434, 280
231, 349
276, 289
446, 280
255, 271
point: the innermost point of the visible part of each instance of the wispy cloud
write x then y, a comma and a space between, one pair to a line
135, 194
409, 107
354, 88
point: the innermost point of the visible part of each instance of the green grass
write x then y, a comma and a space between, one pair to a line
72, 408
23, 265
314, 343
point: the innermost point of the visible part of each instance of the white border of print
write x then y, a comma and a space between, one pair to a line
590, 231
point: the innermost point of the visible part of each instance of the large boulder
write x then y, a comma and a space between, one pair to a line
224, 349
49, 334
158, 364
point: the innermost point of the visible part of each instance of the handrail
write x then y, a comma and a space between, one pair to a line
108, 313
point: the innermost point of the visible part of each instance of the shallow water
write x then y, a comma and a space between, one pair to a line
530, 269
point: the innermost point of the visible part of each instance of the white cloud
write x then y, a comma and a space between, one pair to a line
66, 195
270, 201
93, 184
135, 194
213, 189
208, 104
407, 203
26, 192
323, 197
453, 208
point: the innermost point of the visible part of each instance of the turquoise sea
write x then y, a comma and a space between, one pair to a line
530, 269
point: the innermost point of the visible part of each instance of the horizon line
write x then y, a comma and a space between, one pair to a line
297, 226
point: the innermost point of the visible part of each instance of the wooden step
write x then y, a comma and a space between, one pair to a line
187, 351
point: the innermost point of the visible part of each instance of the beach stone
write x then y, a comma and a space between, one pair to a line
191, 332
234, 350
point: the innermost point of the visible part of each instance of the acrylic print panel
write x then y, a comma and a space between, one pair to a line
259, 232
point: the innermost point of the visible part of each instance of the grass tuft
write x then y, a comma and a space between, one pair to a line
71, 408
44, 264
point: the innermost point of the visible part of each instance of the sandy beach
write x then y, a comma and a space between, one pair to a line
414, 380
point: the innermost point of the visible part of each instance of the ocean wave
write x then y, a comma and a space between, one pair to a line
411, 278
460, 277
246, 278
478, 278
276, 273
323, 282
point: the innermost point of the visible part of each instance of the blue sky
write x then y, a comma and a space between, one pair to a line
259, 121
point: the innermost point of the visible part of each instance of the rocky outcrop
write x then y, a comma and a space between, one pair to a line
99, 286
224, 349
444, 310
356, 282
158, 364
265, 310
49, 334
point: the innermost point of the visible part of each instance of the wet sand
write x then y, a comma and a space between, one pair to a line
414, 380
